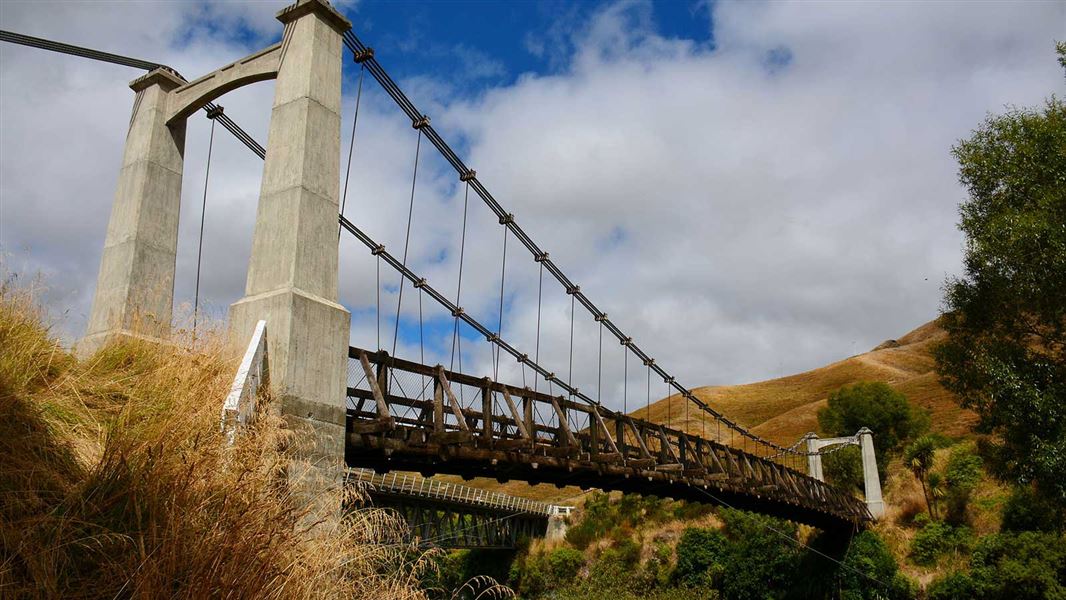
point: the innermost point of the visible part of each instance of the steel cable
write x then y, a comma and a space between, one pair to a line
390, 87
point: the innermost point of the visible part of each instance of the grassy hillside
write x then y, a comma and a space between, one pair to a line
784, 409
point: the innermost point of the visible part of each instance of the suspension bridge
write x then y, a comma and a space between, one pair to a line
370, 407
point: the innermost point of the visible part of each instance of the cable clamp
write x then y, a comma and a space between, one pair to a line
215, 112
600, 318
379, 250
649, 362
421, 283
506, 219
420, 123
668, 380
626, 341
363, 55
524, 358
550, 376
471, 174
573, 289
492, 337
541, 257
458, 312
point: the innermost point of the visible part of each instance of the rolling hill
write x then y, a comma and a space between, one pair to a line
785, 409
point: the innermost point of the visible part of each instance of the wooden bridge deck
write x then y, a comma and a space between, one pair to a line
407, 416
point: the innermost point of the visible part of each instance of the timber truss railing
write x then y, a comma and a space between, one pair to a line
514, 432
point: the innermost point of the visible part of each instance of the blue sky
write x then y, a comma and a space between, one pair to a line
488, 44
750, 189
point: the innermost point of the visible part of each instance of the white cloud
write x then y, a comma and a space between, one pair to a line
740, 222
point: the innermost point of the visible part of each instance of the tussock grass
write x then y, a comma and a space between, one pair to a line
115, 482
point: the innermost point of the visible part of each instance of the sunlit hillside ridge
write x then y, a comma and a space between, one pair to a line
785, 409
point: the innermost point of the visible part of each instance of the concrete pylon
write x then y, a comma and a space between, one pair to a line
292, 274
814, 460
864, 439
135, 287
871, 480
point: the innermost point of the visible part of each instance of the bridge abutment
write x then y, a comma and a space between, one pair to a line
135, 286
292, 274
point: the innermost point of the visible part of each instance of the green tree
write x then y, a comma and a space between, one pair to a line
1024, 566
879, 407
1025, 510
1005, 355
843, 468
761, 558
698, 551
869, 571
919, 459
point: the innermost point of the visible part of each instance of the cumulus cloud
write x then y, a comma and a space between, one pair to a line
773, 201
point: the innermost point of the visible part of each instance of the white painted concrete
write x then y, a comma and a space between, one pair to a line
871, 480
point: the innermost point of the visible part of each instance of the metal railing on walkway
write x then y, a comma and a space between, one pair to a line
409, 484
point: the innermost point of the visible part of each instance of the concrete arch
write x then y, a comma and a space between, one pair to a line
192, 96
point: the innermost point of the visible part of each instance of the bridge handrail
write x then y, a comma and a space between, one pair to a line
414, 485
639, 447
239, 406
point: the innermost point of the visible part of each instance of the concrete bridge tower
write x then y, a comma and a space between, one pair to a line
292, 275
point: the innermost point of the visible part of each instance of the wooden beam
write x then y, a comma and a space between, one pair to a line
569, 438
438, 405
522, 430
379, 398
486, 409
457, 410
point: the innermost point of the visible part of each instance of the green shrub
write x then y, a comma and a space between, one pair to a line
953, 586
760, 559
697, 552
1027, 510
962, 474
843, 468
937, 538
875, 405
868, 560
1019, 566
564, 564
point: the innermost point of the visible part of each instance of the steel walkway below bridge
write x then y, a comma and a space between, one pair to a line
408, 416
447, 515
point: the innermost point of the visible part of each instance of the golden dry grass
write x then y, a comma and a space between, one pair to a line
784, 409
116, 482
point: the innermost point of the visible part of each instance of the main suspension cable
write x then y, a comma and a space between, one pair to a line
370, 64
390, 87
